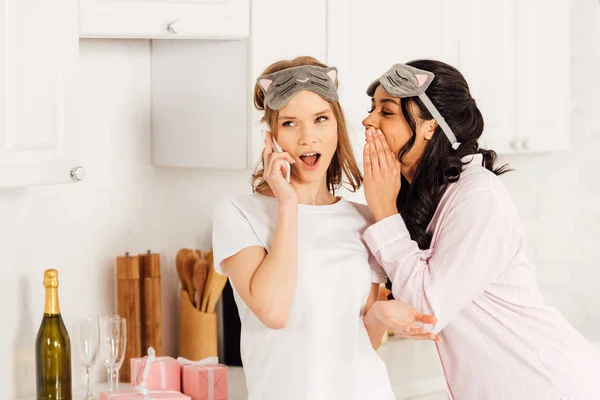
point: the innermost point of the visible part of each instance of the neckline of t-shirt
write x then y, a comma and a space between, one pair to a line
309, 207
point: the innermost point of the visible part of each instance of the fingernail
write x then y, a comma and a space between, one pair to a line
380, 132
369, 132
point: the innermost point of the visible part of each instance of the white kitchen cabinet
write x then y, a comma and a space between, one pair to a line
200, 103
206, 19
487, 59
38, 94
203, 114
365, 38
514, 54
543, 76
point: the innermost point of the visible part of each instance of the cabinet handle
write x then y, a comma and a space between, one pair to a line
173, 27
78, 173
514, 145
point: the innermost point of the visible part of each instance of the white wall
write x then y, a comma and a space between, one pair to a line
125, 204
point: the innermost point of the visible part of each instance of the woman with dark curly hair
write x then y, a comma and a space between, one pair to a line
451, 242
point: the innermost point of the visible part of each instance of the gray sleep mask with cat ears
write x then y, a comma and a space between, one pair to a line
279, 87
405, 81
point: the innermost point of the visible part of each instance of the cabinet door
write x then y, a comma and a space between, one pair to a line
38, 73
164, 18
282, 29
488, 62
199, 103
543, 75
365, 38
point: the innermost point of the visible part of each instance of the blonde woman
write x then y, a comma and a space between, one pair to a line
302, 276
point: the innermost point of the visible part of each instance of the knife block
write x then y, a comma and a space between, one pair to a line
197, 330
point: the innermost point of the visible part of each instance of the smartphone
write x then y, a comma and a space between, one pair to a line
287, 163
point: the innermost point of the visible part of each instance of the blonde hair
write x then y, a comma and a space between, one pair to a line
343, 162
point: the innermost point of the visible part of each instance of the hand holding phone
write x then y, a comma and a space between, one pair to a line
278, 149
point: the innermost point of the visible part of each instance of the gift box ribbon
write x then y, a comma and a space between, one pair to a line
149, 361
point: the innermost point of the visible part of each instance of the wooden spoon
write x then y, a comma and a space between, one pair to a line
209, 257
188, 274
219, 282
200, 276
179, 258
214, 286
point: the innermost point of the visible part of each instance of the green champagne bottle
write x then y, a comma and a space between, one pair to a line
53, 347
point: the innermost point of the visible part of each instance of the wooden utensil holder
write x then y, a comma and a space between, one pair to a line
197, 331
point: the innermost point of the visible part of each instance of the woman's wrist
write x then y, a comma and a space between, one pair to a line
288, 207
373, 316
384, 213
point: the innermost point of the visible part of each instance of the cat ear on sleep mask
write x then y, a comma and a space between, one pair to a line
279, 87
403, 81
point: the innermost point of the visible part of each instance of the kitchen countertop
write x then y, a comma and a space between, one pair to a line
413, 367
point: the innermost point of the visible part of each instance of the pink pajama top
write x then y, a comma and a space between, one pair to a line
501, 342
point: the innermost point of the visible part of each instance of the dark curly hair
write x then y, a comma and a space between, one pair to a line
440, 164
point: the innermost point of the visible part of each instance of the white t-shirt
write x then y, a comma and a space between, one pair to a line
324, 352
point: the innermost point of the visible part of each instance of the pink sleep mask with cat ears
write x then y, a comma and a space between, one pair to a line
405, 81
279, 87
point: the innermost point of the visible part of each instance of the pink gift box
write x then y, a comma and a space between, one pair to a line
136, 395
205, 382
164, 374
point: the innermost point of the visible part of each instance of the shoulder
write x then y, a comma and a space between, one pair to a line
478, 189
362, 211
245, 203
228, 202
476, 179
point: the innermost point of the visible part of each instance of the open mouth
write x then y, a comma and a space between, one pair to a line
310, 160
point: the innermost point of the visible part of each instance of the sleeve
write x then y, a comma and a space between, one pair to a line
377, 272
231, 233
469, 253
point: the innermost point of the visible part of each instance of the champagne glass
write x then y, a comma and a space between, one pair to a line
114, 341
88, 330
